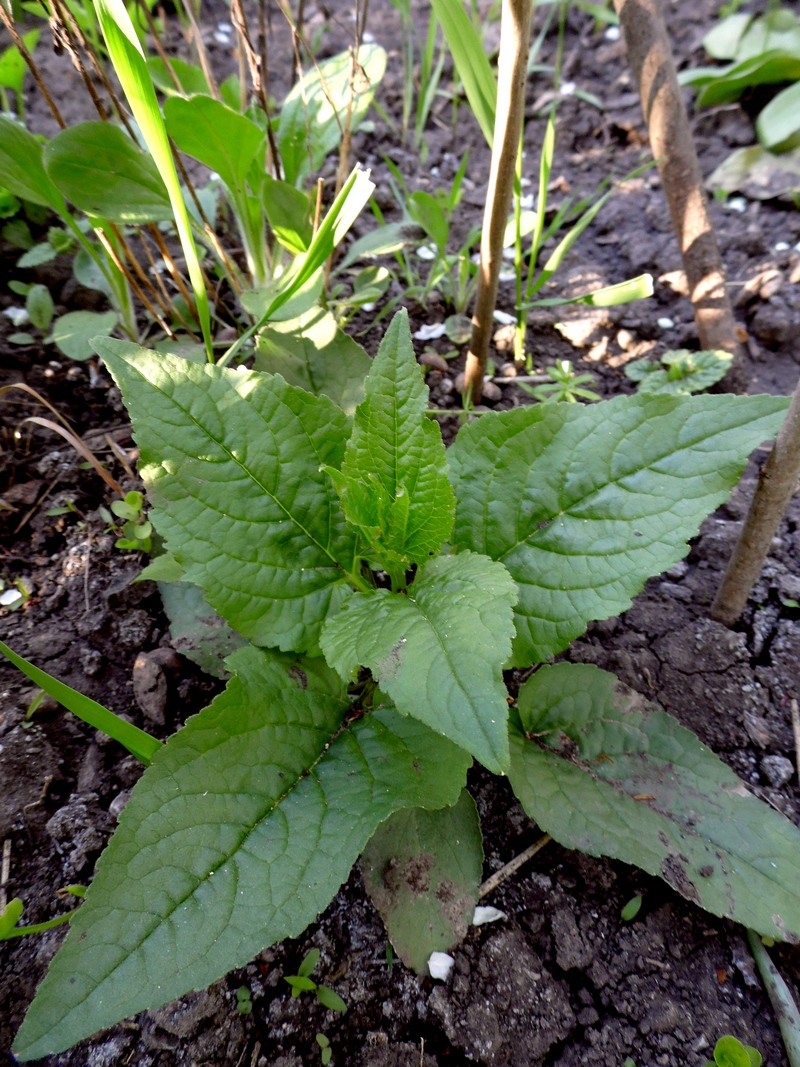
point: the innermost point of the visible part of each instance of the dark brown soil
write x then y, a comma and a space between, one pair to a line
562, 980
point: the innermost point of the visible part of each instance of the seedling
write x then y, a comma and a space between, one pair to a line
137, 531
244, 1000
12, 913
730, 1052
681, 371
564, 385
631, 909
303, 983
325, 1051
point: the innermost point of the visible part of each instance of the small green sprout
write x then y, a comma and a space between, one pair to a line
244, 1001
629, 1062
631, 909
730, 1052
137, 531
680, 372
302, 983
12, 913
565, 385
325, 1050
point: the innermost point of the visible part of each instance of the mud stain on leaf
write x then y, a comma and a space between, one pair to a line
388, 667
673, 871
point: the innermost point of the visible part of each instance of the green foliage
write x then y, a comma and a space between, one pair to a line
730, 1052
309, 531
422, 870
303, 983
137, 530
682, 372
73, 332
564, 385
631, 909
470, 61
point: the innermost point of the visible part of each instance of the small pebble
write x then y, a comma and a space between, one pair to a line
491, 392
526, 202
508, 370
625, 339
613, 33
737, 203
440, 965
777, 770
666, 323
487, 915
431, 331
782, 246
433, 359
424, 252
504, 318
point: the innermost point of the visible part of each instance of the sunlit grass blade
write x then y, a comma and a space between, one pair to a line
637, 288
130, 66
471, 63
137, 742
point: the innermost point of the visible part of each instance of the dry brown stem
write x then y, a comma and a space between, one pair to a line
10, 25
672, 143
512, 69
777, 483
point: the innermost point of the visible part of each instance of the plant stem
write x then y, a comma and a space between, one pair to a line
781, 999
673, 147
512, 63
777, 482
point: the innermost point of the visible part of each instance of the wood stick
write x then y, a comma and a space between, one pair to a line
671, 140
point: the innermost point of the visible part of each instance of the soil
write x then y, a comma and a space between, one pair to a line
562, 980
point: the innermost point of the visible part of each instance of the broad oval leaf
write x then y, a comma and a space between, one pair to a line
313, 353
22, 170
231, 463
673, 808
239, 835
583, 504
73, 332
778, 125
437, 651
196, 631
422, 870
191, 78
103, 172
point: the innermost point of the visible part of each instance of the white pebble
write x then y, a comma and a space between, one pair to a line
430, 332
368, 38
737, 203
526, 202
10, 598
440, 965
487, 915
424, 252
507, 276
222, 38
567, 89
18, 316
504, 318
782, 246
613, 33
665, 323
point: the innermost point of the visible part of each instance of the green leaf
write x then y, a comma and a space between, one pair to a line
722, 40
310, 961
329, 999
726, 84
191, 77
315, 111
438, 651
674, 809
631, 909
39, 305
13, 67
164, 568
88, 274
730, 1052
427, 211
288, 214
778, 125
300, 982
685, 372
470, 61
9, 917
583, 504
102, 171
382, 242
21, 169
37, 256
393, 481
208, 130
238, 836
311, 352
73, 331
422, 870
137, 742
231, 463
195, 629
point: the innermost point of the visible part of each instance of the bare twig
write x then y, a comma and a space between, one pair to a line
81, 448
780, 996
512, 62
672, 143
777, 483
10, 25
202, 54
63, 36
512, 867
5, 871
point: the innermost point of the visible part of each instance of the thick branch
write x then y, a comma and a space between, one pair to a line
673, 146
512, 63
777, 483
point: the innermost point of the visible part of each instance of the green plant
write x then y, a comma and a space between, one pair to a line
761, 50
13, 71
325, 1051
681, 371
382, 588
302, 982
730, 1052
564, 385
631, 909
137, 531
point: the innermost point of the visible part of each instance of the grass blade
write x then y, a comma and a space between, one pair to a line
137, 742
130, 66
471, 63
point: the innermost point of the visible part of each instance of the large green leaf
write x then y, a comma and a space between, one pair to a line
778, 125
422, 870
224, 140
22, 170
195, 628
652, 795
100, 170
239, 834
583, 504
314, 113
393, 482
437, 651
231, 463
313, 353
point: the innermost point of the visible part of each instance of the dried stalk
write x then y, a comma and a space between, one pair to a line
672, 143
515, 31
64, 37
496, 879
8, 21
777, 483
202, 54
81, 449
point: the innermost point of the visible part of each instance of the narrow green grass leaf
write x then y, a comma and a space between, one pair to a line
583, 504
239, 834
138, 743
470, 61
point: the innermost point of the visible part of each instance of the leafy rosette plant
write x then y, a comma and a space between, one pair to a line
383, 587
